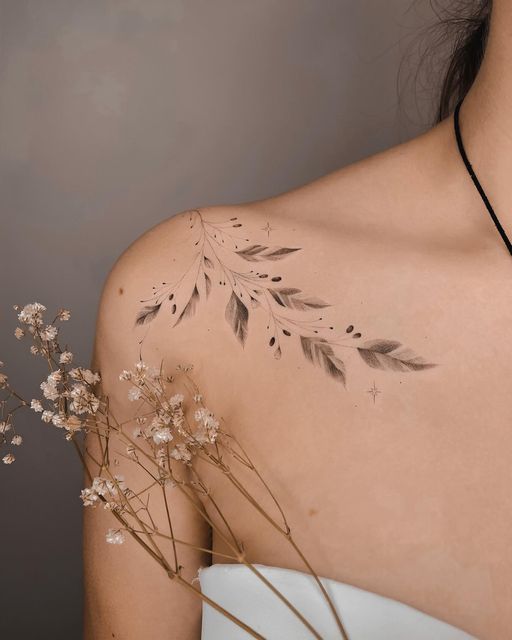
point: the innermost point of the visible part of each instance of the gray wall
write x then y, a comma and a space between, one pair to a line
115, 114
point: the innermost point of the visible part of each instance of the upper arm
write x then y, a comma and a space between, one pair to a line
128, 594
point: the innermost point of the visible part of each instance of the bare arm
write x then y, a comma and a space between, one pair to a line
128, 595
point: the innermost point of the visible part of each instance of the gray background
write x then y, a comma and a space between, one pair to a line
115, 115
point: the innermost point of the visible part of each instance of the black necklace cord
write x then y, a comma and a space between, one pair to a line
476, 182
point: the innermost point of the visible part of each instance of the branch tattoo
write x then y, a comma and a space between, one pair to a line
289, 310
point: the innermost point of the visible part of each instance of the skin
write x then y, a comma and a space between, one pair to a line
407, 494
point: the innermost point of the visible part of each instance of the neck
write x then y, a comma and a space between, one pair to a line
486, 116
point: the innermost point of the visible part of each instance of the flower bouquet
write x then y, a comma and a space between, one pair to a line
171, 429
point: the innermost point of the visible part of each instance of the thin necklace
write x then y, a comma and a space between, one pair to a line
476, 182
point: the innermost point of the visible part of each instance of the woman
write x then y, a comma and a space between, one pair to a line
368, 378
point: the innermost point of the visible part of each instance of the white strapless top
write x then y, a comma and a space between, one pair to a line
365, 615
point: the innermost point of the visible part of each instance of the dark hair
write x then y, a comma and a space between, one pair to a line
464, 26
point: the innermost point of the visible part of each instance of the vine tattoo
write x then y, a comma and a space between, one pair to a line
289, 310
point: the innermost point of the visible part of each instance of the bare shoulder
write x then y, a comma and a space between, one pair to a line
354, 218
365, 192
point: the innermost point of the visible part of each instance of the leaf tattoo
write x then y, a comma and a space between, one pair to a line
320, 352
258, 252
207, 284
289, 309
190, 308
295, 299
391, 355
237, 316
148, 313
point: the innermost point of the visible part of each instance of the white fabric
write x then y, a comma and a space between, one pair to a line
365, 615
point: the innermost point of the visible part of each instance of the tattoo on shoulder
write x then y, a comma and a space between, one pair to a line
228, 259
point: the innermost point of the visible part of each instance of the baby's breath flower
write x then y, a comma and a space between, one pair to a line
83, 401
32, 314
140, 372
153, 373
8, 459
34, 350
3, 380
181, 452
19, 333
104, 487
16, 440
162, 435
161, 457
89, 497
47, 416
141, 367
4, 427
198, 397
114, 536
84, 375
134, 394
64, 315
66, 357
125, 375
59, 420
178, 420
49, 333
49, 390
36, 406
176, 399
73, 423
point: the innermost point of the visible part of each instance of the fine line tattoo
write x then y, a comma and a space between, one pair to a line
223, 257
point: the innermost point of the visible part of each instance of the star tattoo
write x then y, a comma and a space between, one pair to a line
374, 391
268, 229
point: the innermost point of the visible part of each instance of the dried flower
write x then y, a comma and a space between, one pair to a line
89, 497
181, 452
36, 406
134, 394
59, 420
191, 430
73, 423
83, 401
4, 427
50, 391
84, 375
64, 315
66, 357
162, 435
49, 333
115, 536
32, 314
208, 425
176, 399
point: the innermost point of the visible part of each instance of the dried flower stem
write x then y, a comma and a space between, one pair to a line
165, 440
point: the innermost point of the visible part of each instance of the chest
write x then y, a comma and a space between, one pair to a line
399, 481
